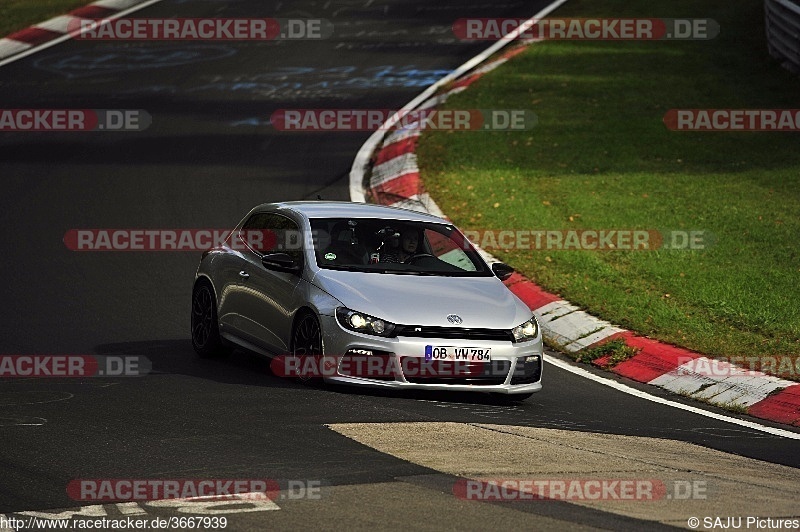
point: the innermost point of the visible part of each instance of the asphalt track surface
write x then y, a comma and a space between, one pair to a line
208, 157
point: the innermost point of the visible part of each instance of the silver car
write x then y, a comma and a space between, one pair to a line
365, 295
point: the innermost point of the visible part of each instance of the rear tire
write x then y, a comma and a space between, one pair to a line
206, 339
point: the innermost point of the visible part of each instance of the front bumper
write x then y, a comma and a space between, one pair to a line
515, 368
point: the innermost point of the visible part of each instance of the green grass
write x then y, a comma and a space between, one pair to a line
601, 158
617, 351
19, 14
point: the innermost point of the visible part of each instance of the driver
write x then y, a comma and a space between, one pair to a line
409, 243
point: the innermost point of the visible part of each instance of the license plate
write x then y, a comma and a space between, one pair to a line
468, 354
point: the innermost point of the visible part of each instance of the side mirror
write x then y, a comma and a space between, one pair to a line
280, 262
502, 271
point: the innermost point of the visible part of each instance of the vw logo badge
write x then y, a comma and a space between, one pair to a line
455, 319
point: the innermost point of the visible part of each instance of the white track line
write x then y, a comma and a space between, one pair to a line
646, 396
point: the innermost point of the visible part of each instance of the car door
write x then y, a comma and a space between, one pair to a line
267, 298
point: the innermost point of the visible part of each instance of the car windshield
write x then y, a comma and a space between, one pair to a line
394, 247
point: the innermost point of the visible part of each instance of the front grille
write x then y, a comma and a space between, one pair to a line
420, 371
460, 333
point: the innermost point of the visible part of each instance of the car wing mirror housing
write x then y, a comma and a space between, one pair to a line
281, 262
502, 271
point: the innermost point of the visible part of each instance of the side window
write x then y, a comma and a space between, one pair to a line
273, 233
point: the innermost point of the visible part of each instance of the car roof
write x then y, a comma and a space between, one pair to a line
349, 209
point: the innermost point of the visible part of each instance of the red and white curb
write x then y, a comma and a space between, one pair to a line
55, 30
394, 179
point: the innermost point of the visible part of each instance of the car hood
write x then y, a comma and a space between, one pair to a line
481, 302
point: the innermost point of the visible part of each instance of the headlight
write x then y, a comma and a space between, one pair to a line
363, 323
526, 331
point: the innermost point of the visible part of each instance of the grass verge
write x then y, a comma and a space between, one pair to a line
616, 350
601, 158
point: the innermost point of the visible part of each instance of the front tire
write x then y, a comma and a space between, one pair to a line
307, 342
206, 339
